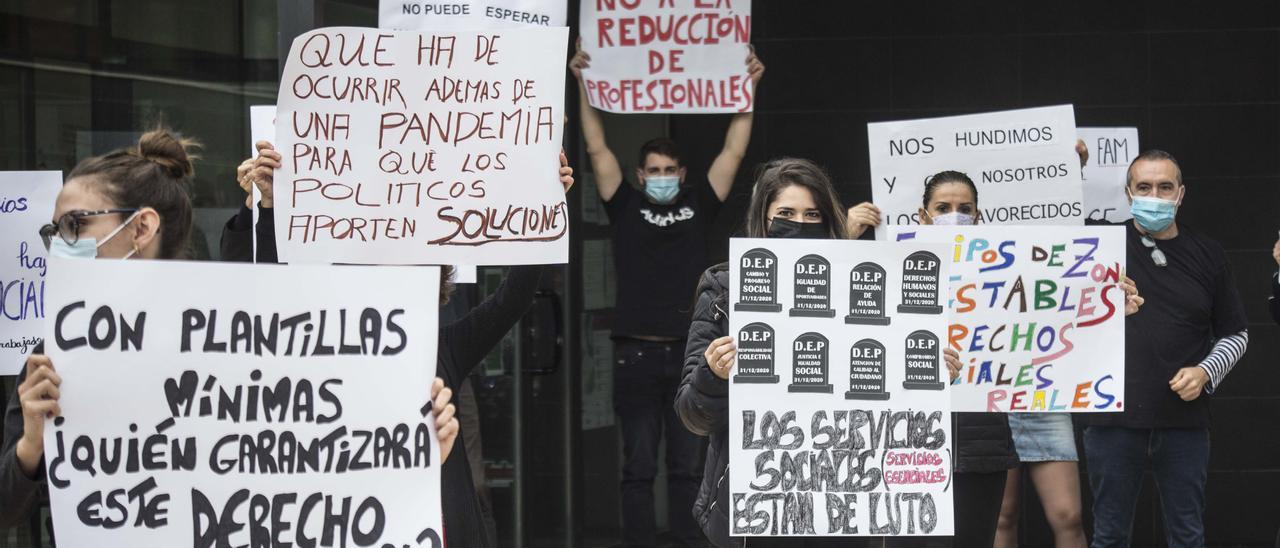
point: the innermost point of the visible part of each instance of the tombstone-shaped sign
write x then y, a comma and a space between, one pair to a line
866, 371
809, 364
755, 355
923, 358
920, 284
866, 295
758, 282
813, 288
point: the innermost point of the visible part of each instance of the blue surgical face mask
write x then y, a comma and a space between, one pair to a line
662, 190
86, 248
953, 218
1153, 214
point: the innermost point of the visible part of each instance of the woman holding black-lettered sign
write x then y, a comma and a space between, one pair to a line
792, 198
990, 446
131, 203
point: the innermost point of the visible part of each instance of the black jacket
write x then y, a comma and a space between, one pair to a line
702, 402
1274, 301
983, 443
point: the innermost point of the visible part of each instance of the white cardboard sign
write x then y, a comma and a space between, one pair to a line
26, 203
1022, 161
840, 419
1111, 150
240, 414
422, 148
470, 14
662, 56
1037, 316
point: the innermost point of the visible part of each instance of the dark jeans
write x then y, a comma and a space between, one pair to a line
1180, 459
646, 376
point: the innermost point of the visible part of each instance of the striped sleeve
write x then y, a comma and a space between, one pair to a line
1226, 352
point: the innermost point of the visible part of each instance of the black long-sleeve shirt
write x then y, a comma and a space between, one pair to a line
237, 236
462, 345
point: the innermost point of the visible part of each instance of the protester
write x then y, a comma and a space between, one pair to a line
1046, 445
462, 345
985, 445
660, 231
237, 243
1178, 351
792, 198
132, 203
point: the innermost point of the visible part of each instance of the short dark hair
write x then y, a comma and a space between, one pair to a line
662, 146
157, 173
1153, 155
943, 177
776, 175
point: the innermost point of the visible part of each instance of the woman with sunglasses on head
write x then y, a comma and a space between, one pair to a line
128, 204
990, 446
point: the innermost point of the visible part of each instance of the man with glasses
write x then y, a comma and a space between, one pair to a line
1178, 350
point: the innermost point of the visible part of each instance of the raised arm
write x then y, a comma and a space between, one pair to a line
471, 338
603, 163
725, 167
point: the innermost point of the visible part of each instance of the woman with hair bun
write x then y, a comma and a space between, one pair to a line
129, 204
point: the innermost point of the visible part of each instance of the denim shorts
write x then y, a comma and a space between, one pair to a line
1043, 437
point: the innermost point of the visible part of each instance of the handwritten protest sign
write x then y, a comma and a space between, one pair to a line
840, 421
1037, 316
1022, 161
1111, 150
262, 123
26, 202
241, 414
667, 56
470, 14
417, 148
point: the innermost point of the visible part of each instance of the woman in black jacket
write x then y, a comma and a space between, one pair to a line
793, 198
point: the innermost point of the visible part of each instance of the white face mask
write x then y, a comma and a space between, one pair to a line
86, 248
953, 218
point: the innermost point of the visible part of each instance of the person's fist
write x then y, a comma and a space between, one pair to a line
1082, 151
953, 362
242, 179
1189, 382
264, 170
580, 61
721, 355
861, 217
755, 68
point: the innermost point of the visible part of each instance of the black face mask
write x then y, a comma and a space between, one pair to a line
784, 228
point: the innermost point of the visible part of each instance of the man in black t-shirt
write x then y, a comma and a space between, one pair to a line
660, 230
1178, 349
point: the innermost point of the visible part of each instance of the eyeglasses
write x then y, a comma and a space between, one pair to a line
68, 226
1157, 256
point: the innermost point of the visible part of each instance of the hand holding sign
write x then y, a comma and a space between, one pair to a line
721, 355
39, 394
446, 419
861, 217
262, 176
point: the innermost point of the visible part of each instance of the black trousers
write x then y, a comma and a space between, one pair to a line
646, 376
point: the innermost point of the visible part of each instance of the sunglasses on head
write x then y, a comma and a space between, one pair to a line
69, 225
